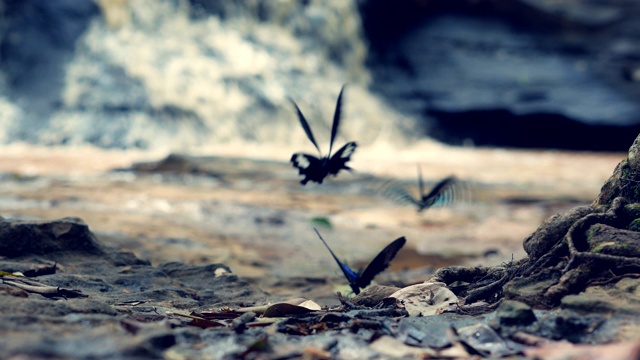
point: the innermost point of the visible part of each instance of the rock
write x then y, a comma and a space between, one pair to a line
514, 313
21, 238
622, 298
625, 179
486, 342
497, 80
431, 331
552, 230
606, 239
577, 15
574, 327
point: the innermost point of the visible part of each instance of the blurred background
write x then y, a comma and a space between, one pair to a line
189, 74
531, 102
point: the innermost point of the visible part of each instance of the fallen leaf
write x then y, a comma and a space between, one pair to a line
284, 310
425, 299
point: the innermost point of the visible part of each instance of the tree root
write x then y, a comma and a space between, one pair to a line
568, 266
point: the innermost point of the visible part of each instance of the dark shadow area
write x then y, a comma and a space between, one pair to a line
510, 73
36, 39
541, 130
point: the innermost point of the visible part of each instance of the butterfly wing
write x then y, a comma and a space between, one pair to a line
309, 166
399, 194
443, 193
380, 262
339, 160
336, 120
351, 275
305, 126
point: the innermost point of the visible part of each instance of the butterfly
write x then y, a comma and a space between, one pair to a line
444, 193
314, 168
362, 279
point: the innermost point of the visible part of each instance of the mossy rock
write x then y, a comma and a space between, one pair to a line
609, 240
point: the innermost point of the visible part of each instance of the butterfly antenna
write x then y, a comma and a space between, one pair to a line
420, 182
328, 248
305, 126
336, 119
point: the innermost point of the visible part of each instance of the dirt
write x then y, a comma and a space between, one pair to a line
254, 216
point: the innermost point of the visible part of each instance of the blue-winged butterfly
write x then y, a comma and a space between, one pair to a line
314, 168
445, 192
361, 279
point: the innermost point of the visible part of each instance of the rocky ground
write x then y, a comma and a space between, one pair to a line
162, 237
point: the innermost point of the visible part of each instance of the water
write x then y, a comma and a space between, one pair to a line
158, 78
167, 76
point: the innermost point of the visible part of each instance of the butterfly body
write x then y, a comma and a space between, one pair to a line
360, 280
316, 169
441, 194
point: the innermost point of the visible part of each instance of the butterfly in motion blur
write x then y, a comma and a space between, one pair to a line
362, 279
314, 168
444, 193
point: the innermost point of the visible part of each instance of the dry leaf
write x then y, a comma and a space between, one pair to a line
425, 299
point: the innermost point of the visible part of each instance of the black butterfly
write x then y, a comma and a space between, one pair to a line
316, 169
444, 193
362, 279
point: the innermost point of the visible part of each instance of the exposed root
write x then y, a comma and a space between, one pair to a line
568, 267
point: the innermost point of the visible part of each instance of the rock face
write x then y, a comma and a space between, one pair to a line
518, 73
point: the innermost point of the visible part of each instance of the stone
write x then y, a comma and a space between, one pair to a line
21, 238
514, 313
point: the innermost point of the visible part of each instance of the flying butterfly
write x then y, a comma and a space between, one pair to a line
444, 193
314, 168
362, 279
